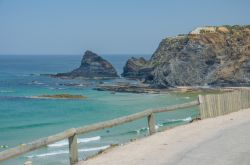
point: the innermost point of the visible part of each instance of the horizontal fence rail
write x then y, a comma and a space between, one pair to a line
24, 148
71, 134
129, 118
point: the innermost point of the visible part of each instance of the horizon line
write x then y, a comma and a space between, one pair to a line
74, 54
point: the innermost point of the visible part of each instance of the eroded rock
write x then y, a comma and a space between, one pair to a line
92, 66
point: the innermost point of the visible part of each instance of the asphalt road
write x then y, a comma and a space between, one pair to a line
224, 140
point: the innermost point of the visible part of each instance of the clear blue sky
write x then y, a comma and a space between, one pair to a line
107, 26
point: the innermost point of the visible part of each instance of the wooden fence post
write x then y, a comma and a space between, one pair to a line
73, 153
201, 106
151, 124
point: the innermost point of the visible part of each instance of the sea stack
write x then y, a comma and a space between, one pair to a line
92, 66
134, 68
212, 55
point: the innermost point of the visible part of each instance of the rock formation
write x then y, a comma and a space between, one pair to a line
218, 56
92, 66
134, 68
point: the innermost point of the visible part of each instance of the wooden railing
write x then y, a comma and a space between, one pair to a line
71, 134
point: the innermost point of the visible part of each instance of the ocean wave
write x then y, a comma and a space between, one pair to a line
179, 120
55, 88
6, 91
49, 154
94, 149
79, 140
20, 97
138, 131
30, 97
66, 151
41, 98
30, 125
12, 97
37, 97
157, 126
37, 83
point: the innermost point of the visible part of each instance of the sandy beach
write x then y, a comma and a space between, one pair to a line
223, 140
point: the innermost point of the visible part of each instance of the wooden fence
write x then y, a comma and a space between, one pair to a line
221, 104
71, 134
210, 106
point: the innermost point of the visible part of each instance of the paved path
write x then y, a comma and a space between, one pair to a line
224, 140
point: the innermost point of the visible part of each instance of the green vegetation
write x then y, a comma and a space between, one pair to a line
63, 96
237, 27
204, 31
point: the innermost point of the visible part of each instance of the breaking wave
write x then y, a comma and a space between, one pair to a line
79, 140
166, 122
6, 91
66, 151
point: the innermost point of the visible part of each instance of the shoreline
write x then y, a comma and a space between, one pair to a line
145, 88
178, 145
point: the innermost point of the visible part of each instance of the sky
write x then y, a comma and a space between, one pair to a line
70, 27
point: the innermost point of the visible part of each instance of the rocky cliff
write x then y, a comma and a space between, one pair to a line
218, 56
92, 66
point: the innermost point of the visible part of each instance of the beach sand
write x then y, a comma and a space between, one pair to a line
224, 140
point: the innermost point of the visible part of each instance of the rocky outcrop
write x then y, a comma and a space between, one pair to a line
218, 56
61, 96
92, 66
136, 68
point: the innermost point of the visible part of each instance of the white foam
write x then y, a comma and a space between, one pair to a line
141, 129
59, 144
85, 140
37, 83
185, 119
94, 149
66, 151
79, 140
6, 91
80, 85
49, 154
158, 126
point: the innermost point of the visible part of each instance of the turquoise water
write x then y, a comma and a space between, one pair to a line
23, 118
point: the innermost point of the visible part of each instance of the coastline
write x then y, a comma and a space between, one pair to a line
146, 88
28, 94
208, 141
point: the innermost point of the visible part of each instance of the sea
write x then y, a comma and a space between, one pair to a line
24, 117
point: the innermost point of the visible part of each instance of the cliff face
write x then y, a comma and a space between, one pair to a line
217, 56
92, 66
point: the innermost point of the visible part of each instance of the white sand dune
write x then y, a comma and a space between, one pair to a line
223, 140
